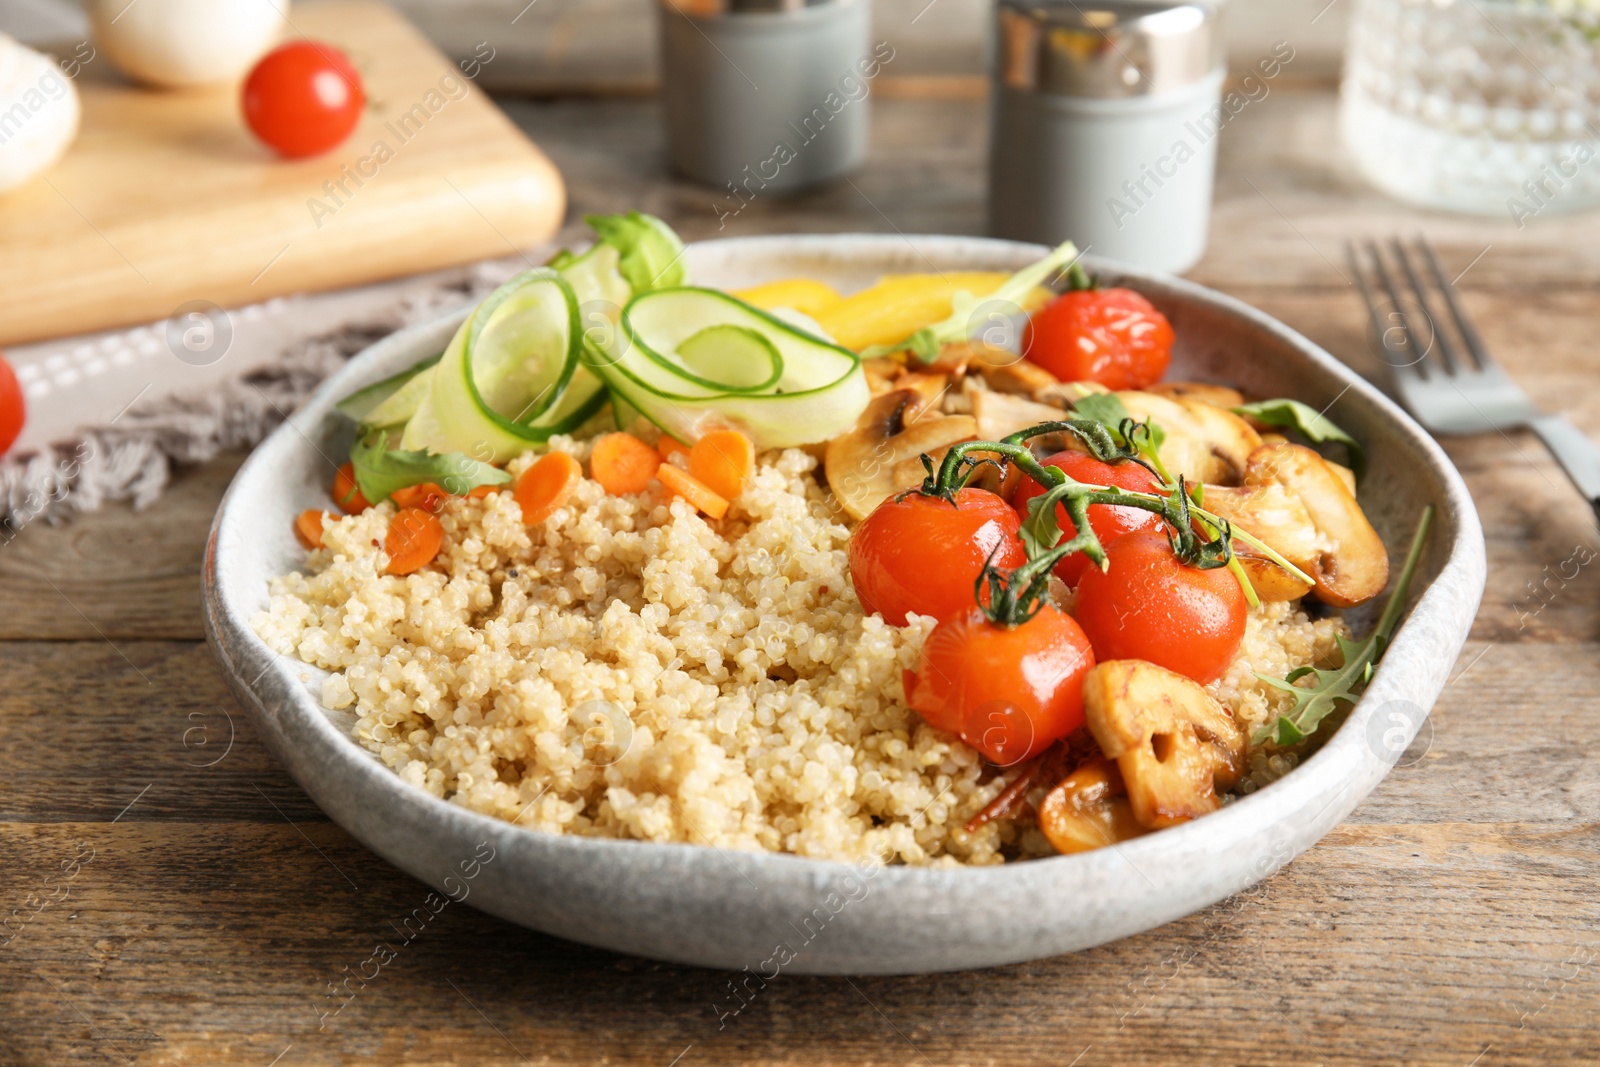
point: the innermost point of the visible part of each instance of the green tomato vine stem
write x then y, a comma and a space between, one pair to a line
950, 476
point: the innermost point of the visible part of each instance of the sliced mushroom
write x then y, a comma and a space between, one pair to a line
1018, 377
1346, 475
1176, 747
881, 455
1089, 809
881, 374
1270, 581
961, 356
1064, 393
1204, 442
1353, 566
1000, 414
1275, 515
1220, 395
929, 387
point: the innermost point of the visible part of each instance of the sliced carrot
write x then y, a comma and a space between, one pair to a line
478, 492
546, 485
623, 463
671, 446
414, 538
308, 527
428, 496
722, 460
346, 493
693, 490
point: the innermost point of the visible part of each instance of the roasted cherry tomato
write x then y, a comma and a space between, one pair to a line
923, 554
1111, 336
303, 98
1008, 691
1147, 605
1108, 521
13, 411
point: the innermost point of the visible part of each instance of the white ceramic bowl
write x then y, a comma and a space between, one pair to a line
699, 905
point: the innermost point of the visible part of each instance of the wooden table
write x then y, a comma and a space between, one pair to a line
1451, 920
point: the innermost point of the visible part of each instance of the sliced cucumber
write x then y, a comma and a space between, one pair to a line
378, 403
735, 358
693, 359
501, 384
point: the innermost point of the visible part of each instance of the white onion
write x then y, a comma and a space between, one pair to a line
176, 43
38, 112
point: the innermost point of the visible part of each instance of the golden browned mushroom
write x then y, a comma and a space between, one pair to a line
881, 374
1346, 475
1204, 443
881, 455
1001, 414
1064, 393
1220, 395
1275, 515
1176, 747
1018, 377
1088, 809
929, 387
1353, 566
1270, 581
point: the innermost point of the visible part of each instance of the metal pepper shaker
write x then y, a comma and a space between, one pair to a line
766, 95
1105, 123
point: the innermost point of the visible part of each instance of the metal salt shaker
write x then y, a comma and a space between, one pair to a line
767, 95
1105, 123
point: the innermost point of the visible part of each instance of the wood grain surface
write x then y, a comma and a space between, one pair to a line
166, 198
1453, 920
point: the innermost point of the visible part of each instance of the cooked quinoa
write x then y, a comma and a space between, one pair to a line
627, 669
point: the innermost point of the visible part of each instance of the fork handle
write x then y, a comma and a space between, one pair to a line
1578, 455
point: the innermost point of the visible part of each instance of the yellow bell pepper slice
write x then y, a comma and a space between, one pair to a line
805, 295
901, 304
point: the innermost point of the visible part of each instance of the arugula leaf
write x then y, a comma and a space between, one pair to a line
1341, 685
1106, 408
1311, 423
381, 470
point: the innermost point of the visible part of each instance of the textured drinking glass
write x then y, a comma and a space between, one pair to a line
1482, 106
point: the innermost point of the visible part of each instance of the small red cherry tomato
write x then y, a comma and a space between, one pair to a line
303, 98
1111, 336
1147, 605
13, 409
1108, 521
923, 554
1009, 692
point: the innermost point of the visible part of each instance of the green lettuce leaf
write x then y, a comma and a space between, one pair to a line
650, 255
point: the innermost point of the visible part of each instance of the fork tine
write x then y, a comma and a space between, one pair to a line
1419, 295
1399, 366
1464, 327
1416, 364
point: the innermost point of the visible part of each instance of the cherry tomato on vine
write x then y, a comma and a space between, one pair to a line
1108, 521
1112, 336
923, 554
303, 98
13, 410
1008, 691
1148, 605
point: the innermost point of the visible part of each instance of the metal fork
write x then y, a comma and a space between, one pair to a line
1452, 384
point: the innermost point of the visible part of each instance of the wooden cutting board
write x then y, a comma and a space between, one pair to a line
166, 197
